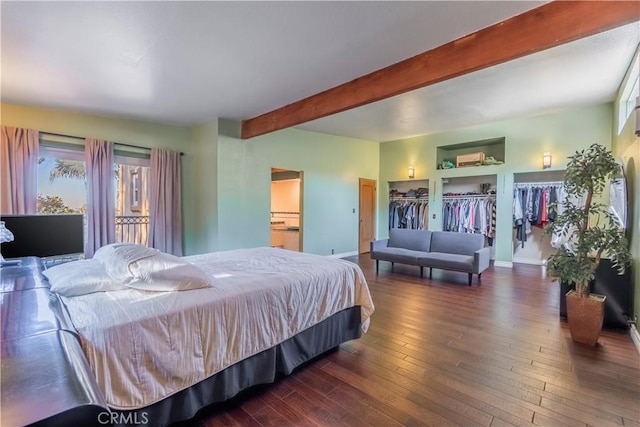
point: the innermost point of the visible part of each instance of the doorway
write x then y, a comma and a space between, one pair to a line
367, 204
286, 209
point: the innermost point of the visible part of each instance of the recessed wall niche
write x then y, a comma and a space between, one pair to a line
494, 148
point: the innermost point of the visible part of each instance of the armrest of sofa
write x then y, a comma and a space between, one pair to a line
481, 260
376, 245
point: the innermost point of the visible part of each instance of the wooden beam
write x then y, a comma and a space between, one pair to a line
547, 26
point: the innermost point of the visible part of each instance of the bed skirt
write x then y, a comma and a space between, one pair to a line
262, 368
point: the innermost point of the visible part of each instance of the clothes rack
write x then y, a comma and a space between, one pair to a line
409, 199
538, 184
470, 196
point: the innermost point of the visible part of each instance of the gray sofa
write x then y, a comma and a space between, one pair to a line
434, 249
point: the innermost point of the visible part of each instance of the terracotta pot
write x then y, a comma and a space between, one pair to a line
585, 316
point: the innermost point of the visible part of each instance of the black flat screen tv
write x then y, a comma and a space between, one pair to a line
43, 235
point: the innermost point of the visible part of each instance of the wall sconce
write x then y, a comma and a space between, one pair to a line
411, 172
546, 160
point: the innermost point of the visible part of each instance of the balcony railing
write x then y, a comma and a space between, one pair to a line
132, 229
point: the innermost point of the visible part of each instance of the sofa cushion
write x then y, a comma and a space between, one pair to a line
400, 255
447, 261
416, 240
456, 243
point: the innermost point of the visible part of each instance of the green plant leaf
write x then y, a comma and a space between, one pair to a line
591, 228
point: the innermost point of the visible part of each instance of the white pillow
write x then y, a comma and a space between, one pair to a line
165, 272
117, 257
80, 278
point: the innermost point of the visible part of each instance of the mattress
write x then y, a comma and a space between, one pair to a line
145, 346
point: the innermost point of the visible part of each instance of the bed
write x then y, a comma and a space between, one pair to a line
159, 357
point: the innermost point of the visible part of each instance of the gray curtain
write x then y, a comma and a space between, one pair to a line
165, 202
101, 201
19, 169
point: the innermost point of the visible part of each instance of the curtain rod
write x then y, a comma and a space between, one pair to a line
116, 143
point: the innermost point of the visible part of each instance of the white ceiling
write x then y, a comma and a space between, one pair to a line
188, 63
586, 72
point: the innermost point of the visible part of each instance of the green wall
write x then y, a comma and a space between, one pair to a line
227, 181
626, 146
561, 134
134, 132
204, 176
332, 166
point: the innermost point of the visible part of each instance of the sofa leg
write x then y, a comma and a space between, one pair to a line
391, 266
377, 265
479, 276
430, 271
421, 268
470, 278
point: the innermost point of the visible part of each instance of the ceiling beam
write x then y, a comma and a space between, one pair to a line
547, 26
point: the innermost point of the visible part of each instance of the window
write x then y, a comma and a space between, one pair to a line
135, 190
62, 185
629, 95
61, 179
133, 175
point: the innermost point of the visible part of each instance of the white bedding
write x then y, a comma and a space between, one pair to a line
145, 346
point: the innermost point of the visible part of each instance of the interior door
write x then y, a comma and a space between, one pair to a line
367, 214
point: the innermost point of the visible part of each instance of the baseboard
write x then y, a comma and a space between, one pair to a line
507, 264
635, 337
344, 254
529, 261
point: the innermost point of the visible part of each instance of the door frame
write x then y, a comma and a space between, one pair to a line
361, 181
301, 213
299, 175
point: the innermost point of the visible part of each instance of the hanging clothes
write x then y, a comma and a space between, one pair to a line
491, 231
535, 204
469, 215
568, 236
412, 214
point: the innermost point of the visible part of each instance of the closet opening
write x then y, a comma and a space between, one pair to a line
533, 193
409, 204
286, 209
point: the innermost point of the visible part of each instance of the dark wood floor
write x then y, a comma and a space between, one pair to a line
441, 353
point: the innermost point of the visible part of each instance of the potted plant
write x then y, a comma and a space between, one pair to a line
587, 232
